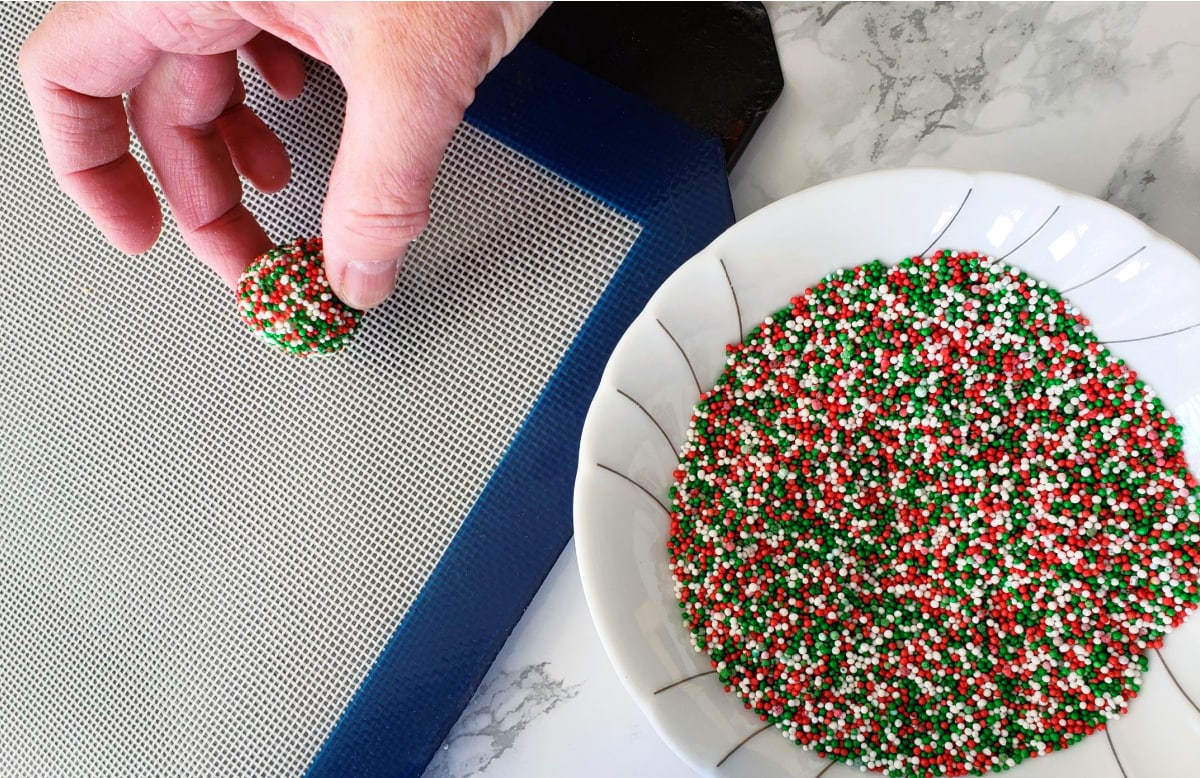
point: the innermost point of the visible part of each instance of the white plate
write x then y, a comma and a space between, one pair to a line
1134, 285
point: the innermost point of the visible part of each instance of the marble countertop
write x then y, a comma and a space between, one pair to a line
1098, 98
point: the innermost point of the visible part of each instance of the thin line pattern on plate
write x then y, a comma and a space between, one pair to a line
745, 740
1032, 235
699, 389
947, 227
1152, 337
1112, 747
648, 493
1103, 273
685, 680
1175, 681
737, 309
650, 416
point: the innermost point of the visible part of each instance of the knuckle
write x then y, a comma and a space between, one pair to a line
182, 29
53, 32
387, 225
26, 60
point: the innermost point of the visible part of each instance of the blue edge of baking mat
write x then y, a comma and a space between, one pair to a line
669, 178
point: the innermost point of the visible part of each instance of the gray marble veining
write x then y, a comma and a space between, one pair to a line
1096, 97
1156, 178
503, 706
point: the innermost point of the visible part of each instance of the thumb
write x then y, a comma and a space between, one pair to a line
378, 197
404, 98
410, 72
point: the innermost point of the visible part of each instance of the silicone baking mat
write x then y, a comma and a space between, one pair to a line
217, 559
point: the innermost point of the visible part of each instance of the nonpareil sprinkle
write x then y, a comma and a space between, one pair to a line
285, 296
926, 523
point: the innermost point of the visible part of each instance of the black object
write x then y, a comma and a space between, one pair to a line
713, 65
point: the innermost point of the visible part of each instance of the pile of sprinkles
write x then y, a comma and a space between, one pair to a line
285, 296
927, 524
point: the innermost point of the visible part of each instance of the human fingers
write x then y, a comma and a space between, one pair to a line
254, 148
278, 62
409, 77
78, 64
75, 90
176, 112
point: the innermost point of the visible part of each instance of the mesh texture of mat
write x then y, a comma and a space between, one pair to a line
204, 544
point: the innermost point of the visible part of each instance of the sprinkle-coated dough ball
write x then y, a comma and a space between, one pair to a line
285, 296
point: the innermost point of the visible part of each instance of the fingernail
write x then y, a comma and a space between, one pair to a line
367, 284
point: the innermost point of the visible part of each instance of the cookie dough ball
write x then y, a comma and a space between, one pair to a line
285, 296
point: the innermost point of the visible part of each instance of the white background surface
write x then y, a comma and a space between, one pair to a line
1101, 99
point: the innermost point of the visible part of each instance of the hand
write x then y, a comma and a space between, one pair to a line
410, 71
